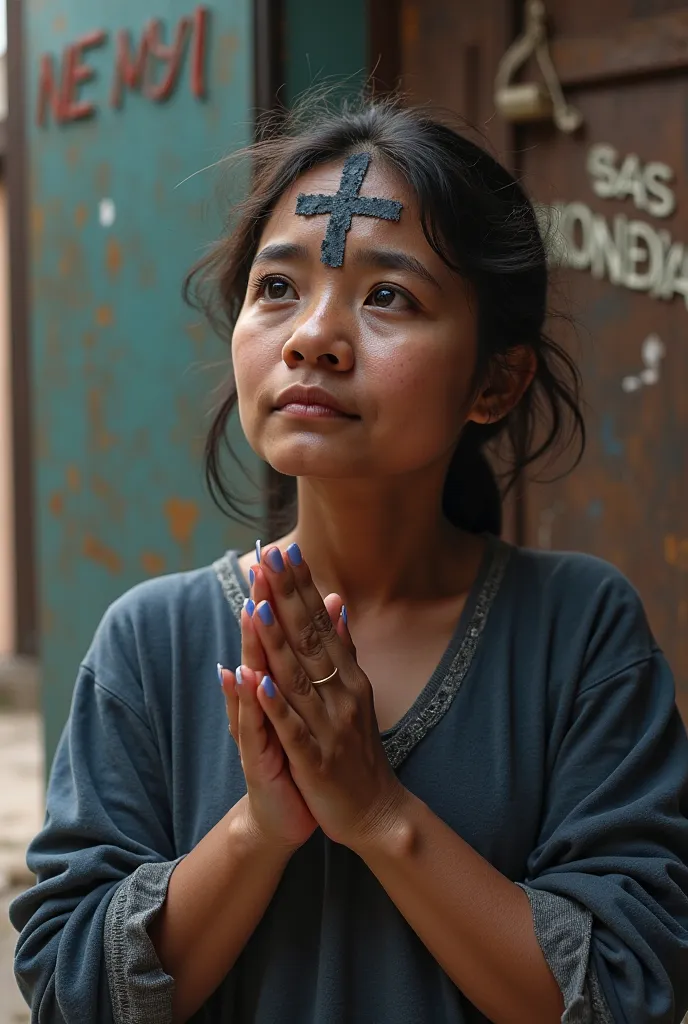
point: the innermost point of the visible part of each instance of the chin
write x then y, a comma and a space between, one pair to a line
312, 456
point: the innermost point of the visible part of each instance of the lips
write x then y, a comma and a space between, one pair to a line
312, 401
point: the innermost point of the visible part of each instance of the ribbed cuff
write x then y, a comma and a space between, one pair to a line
139, 988
563, 929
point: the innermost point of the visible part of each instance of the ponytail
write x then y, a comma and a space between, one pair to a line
472, 500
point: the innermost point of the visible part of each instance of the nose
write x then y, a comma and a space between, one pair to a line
319, 341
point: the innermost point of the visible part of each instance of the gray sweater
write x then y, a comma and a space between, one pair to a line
547, 738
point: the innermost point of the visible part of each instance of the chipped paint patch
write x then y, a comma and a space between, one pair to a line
73, 478
182, 517
114, 502
105, 316
152, 564
96, 551
113, 257
103, 439
56, 503
81, 215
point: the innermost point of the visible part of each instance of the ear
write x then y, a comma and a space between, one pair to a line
508, 379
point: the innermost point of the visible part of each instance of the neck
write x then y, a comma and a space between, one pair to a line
378, 542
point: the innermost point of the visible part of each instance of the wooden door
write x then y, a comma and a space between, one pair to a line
620, 185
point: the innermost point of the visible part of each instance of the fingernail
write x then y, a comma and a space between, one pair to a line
219, 673
258, 552
268, 686
275, 560
345, 615
265, 612
250, 606
295, 556
237, 676
251, 577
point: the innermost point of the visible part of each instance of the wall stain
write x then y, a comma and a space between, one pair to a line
676, 551
104, 490
71, 258
410, 24
56, 503
113, 257
182, 517
228, 45
81, 215
153, 564
96, 551
103, 439
105, 316
73, 478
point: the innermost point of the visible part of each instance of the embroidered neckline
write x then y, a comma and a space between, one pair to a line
434, 701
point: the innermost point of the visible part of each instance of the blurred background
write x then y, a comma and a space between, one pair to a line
114, 116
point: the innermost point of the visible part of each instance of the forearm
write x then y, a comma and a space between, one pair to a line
216, 897
476, 923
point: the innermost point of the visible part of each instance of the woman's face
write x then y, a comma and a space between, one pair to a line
390, 336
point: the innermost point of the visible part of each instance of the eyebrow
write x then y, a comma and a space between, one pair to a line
382, 259
393, 259
281, 251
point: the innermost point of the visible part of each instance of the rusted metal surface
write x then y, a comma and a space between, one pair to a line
627, 501
123, 373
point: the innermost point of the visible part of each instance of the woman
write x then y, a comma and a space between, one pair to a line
477, 812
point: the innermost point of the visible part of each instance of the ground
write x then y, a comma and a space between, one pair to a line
21, 813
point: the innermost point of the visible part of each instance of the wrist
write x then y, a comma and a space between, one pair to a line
390, 829
245, 830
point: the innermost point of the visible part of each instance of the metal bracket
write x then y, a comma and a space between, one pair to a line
533, 101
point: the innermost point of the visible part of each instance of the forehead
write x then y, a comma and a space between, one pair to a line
380, 182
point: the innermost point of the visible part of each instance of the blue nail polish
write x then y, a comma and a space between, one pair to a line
275, 560
268, 686
258, 551
237, 676
250, 606
265, 612
295, 556
219, 673
345, 615
251, 577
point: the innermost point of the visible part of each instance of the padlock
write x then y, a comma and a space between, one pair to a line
523, 102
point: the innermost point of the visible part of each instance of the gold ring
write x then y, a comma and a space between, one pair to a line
319, 682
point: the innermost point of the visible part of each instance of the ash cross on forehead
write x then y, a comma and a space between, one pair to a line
345, 205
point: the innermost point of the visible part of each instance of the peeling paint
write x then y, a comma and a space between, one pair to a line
105, 316
56, 503
102, 438
81, 215
152, 563
182, 517
113, 257
71, 258
96, 551
73, 478
103, 489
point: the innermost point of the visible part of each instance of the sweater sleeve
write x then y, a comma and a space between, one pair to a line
614, 842
107, 827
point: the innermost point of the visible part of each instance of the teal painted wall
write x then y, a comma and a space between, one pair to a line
325, 42
122, 371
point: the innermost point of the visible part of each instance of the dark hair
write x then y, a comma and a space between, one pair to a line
478, 219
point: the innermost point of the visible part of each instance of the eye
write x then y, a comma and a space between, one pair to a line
275, 289
387, 297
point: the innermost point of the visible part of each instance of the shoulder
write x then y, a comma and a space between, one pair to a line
586, 608
143, 631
